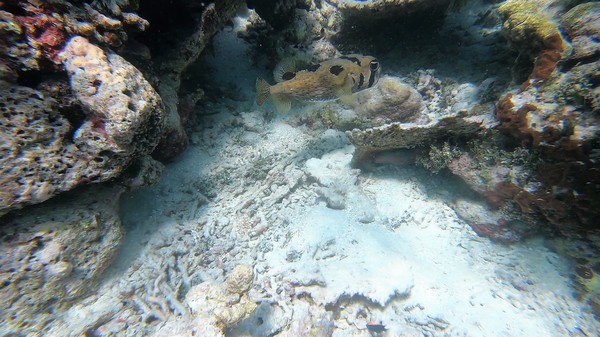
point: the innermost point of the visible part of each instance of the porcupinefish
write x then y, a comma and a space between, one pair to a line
333, 79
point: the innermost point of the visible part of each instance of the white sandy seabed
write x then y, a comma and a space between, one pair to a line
331, 246
333, 243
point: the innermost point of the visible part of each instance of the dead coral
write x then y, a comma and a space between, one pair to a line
438, 157
532, 30
53, 254
36, 32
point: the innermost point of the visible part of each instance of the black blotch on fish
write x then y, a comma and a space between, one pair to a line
374, 65
336, 70
372, 78
288, 75
361, 80
313, 67
351, 59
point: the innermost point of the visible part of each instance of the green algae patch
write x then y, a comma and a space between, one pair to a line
526, 23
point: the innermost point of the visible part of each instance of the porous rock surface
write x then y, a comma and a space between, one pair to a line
34, 32
390, 101
410, 135
53, 254
581, 25
44, 154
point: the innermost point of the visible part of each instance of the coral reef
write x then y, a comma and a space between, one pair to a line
53, 254
531, 29
34, 32
409, 135
172, 64
565, 136
123, 120
581, 25
391, 100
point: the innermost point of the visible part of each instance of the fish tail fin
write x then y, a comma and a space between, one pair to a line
282, 103
263, 91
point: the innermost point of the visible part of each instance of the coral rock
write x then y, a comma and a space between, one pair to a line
53, 254
44, 154
582, 25
240, 279
212, 301
409, 135
390, 101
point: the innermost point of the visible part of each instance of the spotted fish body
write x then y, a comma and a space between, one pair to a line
332, 79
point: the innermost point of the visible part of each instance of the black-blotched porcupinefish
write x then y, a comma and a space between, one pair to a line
333, 79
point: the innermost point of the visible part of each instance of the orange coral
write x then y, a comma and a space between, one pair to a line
545, 63
517, 121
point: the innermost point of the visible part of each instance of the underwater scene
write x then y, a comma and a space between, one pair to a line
300, 168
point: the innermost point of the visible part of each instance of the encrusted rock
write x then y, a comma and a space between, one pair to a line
53, 254
240, 279
390, 101
34, 32
531, 28
44, 153
582, 25
172, 64
409, 135
559, 119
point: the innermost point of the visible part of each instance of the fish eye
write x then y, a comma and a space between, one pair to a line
374, 65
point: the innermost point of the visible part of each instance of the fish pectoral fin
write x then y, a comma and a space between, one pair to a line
285, 69
282, 103
346, 97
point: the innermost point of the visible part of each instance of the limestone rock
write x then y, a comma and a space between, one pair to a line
53, 254
582, 26
44, 153
173, 62
390, 101
410, 135
240, 279
33, 149
125, 113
